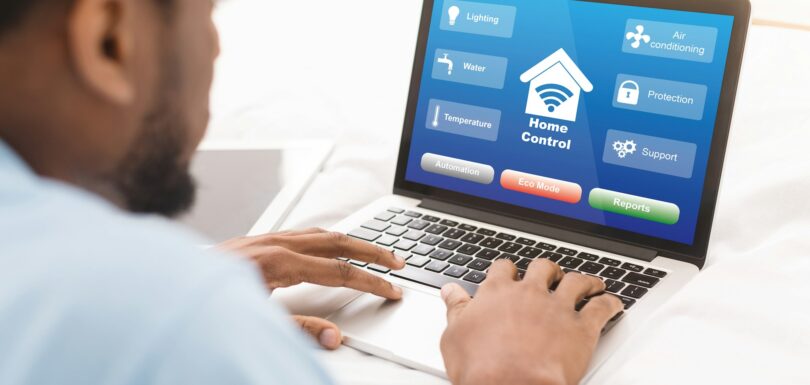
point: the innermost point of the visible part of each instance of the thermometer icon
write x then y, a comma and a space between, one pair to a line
436, 116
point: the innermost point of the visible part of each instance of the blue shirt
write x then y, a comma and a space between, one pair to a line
92, 295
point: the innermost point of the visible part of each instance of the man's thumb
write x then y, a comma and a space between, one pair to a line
456, 299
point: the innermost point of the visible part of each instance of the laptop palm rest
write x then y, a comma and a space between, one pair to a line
407, 332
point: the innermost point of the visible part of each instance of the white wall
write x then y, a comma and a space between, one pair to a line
792, 11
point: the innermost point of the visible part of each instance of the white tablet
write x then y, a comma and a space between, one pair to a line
250, 188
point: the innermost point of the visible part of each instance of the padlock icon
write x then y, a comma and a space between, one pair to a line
629, 93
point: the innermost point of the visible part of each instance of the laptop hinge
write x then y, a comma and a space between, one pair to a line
640, 253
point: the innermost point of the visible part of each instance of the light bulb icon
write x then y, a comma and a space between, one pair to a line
453, 11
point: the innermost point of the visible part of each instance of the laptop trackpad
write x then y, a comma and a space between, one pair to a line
407, 331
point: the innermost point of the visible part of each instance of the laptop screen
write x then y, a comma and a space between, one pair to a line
596, 112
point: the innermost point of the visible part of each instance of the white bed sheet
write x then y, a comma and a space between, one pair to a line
743, 321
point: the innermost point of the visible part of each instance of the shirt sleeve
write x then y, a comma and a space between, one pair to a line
237, 336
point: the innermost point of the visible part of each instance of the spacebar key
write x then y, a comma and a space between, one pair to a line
431, 279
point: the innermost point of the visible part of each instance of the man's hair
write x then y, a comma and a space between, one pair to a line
12, 12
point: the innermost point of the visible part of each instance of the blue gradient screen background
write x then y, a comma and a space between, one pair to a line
592, 34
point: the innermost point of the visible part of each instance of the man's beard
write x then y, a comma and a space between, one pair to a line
153, 178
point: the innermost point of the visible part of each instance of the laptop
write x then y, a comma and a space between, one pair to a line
590, 133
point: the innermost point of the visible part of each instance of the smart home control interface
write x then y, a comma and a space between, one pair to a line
598, 112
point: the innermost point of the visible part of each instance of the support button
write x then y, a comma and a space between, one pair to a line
636, 207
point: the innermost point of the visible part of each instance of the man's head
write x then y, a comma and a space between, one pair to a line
109, 95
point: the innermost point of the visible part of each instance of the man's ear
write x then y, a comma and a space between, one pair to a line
101, 46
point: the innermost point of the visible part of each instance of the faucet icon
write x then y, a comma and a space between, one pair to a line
445, 60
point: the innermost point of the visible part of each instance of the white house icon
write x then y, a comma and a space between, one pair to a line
556, 84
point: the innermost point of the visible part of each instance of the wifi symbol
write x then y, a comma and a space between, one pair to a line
554, 95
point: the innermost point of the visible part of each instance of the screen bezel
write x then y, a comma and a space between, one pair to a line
696, 253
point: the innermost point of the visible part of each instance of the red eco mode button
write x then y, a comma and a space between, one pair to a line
541, 186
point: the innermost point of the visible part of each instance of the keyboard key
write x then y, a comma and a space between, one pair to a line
530, 252
402, 254
385, 217
524, 263
418, 224
450, 244
479, 264
397, 231
525, 242
491, 243
467, 227
546, 246
628, 302
436, 229
359, 263
506, 237
571, 262
641, 280
614, 286
379, 269
456, 271
591, 268
588, 257
449, 223
401, 220
441, 255
553, 257
418, 261
566, 251
432, 240
396, 210
460, 260
632, 267
510, 247
469, 249
404, 245
431, 218
454, 234
376, 225
613, 273
423, 250
364, 234
486, 232
633, 291
387, 240
610, 262
511, 257
567, 270
487, 254
413, 235
437, 266
413, 214
475, 277
655, 273
473, 238
431, 279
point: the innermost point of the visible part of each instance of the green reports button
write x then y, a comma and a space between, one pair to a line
633, 206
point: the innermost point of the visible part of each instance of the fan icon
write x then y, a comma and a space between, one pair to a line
638, 37
623, 149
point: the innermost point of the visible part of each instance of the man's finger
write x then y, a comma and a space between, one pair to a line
336, 273
500, 271
456, 299
326, 333
575, 287
338, 245
544, 273
600, 310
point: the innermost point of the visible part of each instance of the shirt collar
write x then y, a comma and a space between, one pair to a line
13, 170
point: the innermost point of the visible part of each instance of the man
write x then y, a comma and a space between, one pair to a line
102, 103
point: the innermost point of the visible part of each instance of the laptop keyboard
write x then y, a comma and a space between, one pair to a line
439, 251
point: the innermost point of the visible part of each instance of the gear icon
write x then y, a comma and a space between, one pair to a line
622, 154
618, 146
630, 147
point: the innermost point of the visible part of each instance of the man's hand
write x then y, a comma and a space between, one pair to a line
290, 258
518, 332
